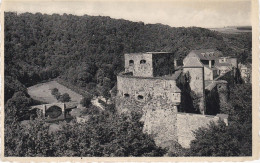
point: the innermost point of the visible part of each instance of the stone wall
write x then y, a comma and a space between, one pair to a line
132, 90
187, 123
197, 84
210, 74
133, 64
159, 119
165, 124
149, 64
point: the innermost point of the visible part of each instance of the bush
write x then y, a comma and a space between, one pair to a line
86, 101
55, 92
64, 98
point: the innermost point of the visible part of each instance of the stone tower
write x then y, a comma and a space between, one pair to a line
147, 76
197, 85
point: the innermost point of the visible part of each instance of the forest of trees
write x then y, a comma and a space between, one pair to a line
87, 52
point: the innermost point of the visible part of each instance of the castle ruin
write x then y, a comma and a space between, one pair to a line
148, 85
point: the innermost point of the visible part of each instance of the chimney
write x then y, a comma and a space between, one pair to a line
210, 66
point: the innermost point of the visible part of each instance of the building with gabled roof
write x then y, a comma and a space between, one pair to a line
225, 64
213, 62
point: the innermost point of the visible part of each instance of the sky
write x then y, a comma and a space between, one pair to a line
200, 13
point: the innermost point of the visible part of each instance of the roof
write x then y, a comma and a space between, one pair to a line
217, 63
176, 89
207, 54
173, 76
149, 53
158, 52
223, 116
192, 62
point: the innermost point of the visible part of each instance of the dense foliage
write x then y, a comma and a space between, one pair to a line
86, 101
104, 134
189, 100
88, 51
234, 139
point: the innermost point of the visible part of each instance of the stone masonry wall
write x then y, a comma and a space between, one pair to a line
187, 123
165, 124
197, 84
138, 68
159, 119
149, 64
143, 89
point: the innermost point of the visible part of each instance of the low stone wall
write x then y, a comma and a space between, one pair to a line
165, 124
187, 123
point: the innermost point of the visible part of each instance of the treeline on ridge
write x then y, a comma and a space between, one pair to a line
87, 51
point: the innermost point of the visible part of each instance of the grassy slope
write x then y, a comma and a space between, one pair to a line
42, 92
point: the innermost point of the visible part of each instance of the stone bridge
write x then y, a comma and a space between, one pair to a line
54, 111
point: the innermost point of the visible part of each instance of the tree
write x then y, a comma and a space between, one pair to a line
234, 139
189, 100
105, 134
220, 140
30, 139
64, 97
105, 88
86, 101
55, 92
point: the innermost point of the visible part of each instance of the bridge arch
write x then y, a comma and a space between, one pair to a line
53, 111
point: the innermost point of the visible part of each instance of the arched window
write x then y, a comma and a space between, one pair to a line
140, 97
142, 61
126, 95
131, 62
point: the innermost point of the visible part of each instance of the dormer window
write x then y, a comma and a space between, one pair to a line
131, 62
142, 61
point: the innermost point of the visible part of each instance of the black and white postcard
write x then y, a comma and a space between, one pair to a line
122, 80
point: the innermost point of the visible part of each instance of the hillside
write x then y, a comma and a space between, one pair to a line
87, 51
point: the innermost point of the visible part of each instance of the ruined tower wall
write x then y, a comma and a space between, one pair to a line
160, 122
163, 64
197, 84
149, 64
133, 64
133, 90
